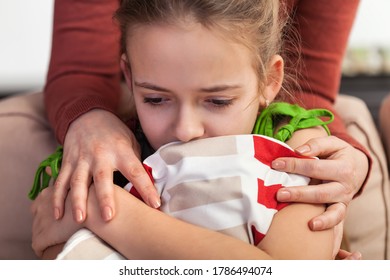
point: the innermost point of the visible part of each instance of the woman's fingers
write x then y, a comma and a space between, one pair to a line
79, 184
334, 214
135, 172
345, 255
103, 180
61, 188
341, 168
328, 192
322, 146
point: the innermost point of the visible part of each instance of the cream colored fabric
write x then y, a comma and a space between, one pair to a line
25, 140
384, 124
367, 223
85, 245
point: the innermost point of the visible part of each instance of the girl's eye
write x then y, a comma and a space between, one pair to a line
220, 102
153, 100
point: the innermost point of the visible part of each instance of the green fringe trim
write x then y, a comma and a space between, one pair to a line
300, 118
42, 178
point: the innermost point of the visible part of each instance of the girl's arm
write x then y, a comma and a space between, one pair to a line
140, 232
290, 237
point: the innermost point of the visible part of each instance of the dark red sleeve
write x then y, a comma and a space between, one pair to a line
84, 68
324, 27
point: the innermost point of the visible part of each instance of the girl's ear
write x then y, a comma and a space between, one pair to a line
125, 67
274, 78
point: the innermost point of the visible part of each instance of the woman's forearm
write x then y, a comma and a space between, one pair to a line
84, 72
140, 232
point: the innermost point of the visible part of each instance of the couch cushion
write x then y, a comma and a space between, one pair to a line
368, 217
26, 139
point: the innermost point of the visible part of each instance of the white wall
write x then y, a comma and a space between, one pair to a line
372, 24
25, 35
25, 38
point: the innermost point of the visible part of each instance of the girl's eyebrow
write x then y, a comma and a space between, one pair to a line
217, 88
150, 86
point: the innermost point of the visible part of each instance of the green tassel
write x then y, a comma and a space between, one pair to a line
42, 178
299, 118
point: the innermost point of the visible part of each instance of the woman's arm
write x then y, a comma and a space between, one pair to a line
84, 72
324, 27
82, 98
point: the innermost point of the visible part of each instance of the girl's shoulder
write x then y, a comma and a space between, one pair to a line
281, 120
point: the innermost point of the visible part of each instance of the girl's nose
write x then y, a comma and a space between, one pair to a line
188, 126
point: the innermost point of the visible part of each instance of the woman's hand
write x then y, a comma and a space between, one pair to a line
345, 255
47, 231
97, 144
341, 167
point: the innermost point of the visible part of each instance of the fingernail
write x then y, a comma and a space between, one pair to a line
56, 213
283, 195
278, 164
303, 149
317, 225
155, 203
107, 213
356, 256
79, 216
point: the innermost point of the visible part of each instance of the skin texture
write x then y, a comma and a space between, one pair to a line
172, 89
119, 152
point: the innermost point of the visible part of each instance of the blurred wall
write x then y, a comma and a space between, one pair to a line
26, 25
25, 38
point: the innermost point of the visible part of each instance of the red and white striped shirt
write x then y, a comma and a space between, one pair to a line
222, 183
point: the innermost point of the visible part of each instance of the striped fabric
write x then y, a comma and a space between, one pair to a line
223, 183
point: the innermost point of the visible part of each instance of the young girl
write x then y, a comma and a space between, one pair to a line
203, 70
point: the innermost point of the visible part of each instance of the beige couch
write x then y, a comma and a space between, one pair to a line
26, 139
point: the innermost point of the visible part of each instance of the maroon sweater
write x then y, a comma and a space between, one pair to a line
84, 68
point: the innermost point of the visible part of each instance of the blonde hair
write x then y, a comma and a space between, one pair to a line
257, 24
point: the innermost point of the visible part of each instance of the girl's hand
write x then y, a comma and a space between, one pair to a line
97, 144
47, 231
341, 167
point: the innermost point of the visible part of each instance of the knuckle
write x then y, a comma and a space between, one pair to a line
76, 180
314, 143
105, 198
100, 175
66, 161
322, 195
292, 164
340, 213
310, 166
98, 149
136, 171
122, 142
347, 171
77, 198
58, 198
60, 183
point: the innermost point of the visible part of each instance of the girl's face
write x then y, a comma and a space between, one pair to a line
190, 83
